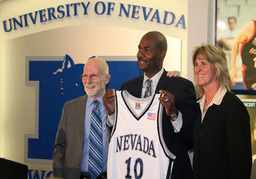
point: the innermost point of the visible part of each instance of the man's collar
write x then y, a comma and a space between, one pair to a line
156, 77
100, 99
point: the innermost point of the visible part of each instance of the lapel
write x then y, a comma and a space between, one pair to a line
162, 82
81, 116
209, 114
138, 87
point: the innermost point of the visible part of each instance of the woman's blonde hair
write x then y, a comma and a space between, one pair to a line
217, 57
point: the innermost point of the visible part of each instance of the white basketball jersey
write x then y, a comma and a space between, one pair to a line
137, 148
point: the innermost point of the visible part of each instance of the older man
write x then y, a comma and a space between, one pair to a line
81, 145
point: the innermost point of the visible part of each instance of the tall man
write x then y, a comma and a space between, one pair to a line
178, 100
74, 149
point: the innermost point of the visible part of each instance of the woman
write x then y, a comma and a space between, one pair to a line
221, 137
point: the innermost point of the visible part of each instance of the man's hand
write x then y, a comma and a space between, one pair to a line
168, 102
173, 74
109, 101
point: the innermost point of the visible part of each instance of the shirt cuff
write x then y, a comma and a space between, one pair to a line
110, 120
177, 124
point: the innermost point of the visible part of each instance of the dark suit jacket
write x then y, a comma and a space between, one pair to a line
68, 148
178, 143
222, 143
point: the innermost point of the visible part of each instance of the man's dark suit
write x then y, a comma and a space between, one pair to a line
178, 143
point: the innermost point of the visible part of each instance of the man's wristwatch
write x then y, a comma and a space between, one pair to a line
174, 117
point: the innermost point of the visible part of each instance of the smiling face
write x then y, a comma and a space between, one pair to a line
150, 55
94, 79
205, 72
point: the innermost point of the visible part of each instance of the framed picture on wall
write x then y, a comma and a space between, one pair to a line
236, 35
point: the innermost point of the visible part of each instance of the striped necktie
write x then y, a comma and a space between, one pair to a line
148, 88
95, 163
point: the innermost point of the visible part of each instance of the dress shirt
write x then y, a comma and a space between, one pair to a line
88, 110
154, 82
217, 99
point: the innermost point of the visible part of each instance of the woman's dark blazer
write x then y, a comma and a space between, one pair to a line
222, 143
